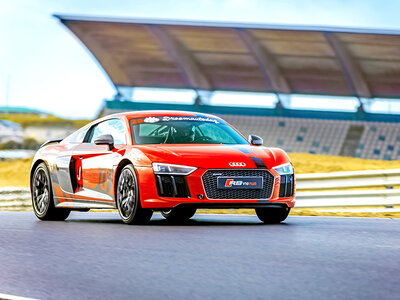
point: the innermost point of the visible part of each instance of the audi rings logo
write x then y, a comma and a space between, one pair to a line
237, 164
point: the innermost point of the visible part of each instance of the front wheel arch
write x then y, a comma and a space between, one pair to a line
122, 164
137, 214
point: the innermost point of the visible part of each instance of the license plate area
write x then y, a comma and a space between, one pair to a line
242, 183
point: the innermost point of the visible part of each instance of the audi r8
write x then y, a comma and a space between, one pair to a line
168, 161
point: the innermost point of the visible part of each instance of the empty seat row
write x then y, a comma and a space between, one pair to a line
377, 140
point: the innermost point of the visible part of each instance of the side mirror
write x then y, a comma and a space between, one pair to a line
105, 139
255, 140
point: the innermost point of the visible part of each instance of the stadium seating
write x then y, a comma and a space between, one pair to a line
374, 140
317, 133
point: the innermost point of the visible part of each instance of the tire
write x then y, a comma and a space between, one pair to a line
178, 214
272, 215
42, 196
127, 198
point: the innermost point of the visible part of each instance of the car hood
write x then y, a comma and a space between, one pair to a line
215, 156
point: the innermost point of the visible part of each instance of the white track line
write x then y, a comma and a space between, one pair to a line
12, 297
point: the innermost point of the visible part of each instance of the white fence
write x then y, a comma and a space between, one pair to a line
311, 190
15, 198
316, 185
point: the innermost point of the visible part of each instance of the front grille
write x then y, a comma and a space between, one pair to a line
286, 186
172, 186
212, 192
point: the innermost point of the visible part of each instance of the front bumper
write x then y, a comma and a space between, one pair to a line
150, 197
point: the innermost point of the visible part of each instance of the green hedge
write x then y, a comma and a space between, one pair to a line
26, 120
28, 143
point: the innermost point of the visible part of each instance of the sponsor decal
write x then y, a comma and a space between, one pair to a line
237, 164
199, 119
229, 182
232, 182
136, 121
151, 120
240, 182
104, 183
174, 118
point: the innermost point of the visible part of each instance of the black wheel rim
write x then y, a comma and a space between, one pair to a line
126, 194
40, 192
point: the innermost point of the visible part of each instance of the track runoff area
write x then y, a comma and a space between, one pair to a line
96, 256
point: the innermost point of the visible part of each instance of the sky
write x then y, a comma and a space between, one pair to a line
43, 66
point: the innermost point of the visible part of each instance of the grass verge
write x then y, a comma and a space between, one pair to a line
26, 120
15, 172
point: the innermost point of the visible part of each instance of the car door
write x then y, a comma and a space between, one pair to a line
62, 174
94, 164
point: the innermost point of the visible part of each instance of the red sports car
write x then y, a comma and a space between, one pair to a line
168, 161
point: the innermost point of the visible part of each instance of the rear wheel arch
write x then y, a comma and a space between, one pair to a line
35, 165
33, 169
42, 194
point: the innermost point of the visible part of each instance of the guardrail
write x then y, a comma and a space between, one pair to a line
350, 179
311, 190
316, 185
15, 198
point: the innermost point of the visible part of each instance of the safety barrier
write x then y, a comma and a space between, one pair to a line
15, 198
311, 190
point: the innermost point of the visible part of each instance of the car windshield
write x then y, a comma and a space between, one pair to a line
183, 130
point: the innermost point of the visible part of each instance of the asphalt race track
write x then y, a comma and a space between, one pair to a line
95, 256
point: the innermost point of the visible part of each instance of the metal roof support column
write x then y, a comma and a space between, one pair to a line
351, 69
269, 68
282, 103
203, 97
191, 72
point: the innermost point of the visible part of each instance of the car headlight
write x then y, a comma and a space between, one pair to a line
285, 169
169, 169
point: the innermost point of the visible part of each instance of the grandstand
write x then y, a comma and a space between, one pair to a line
372, 140
279, 60
305, 133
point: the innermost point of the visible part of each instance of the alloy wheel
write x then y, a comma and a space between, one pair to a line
126, 193
41, 191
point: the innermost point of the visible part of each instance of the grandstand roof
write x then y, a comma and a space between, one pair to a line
248, 57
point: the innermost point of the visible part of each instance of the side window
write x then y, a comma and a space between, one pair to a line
115, 127
77, 136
